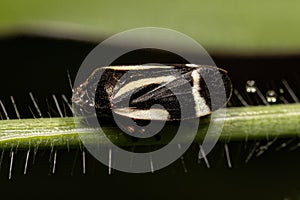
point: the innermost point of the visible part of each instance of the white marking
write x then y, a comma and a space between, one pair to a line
192, 65
142, 83
200, 103
154, 113
138, 67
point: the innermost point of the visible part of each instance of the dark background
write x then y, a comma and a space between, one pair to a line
40, 65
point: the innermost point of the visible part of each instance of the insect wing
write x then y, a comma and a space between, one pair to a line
164, 87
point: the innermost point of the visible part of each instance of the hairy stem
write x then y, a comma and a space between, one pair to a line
255, 122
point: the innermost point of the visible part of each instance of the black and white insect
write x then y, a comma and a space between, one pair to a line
131, 91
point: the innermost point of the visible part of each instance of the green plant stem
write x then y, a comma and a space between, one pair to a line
240, 123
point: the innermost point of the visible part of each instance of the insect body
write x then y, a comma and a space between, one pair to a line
152, 92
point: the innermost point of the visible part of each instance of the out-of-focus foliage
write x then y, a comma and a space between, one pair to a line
259, 25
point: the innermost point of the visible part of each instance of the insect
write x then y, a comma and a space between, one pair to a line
132, 91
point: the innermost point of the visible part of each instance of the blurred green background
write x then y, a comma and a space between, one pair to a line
243, 27
260, 26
